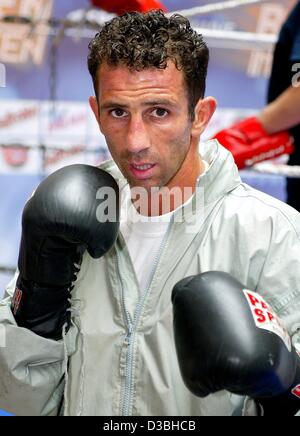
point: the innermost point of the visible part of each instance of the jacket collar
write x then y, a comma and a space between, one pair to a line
222, 175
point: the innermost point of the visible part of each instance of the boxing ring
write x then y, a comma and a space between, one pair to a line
269, 176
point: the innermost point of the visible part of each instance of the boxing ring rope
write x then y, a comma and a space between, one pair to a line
230, 39
276, 169
215, 7
7, 270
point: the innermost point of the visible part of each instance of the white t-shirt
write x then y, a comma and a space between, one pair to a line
143, 235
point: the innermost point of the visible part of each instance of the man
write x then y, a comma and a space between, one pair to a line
182, 213
266, 134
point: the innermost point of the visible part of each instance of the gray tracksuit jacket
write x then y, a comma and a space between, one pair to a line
119, 357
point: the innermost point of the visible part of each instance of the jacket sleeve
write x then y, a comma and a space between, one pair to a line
279, 281
31, 367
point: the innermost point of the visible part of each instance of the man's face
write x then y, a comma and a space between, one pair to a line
145, 120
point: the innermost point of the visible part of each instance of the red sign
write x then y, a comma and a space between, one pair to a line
265, 318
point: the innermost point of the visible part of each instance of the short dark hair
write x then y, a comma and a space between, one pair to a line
142, 41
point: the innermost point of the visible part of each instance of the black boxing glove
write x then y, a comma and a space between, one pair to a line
228, 337
60, 221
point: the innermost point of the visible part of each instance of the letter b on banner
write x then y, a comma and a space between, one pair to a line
2, 76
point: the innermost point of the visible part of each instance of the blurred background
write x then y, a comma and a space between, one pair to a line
45, 121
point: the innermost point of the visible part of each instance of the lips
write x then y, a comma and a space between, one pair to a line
142, 171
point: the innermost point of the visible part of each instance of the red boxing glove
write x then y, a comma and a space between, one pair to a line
119, 7
249, 143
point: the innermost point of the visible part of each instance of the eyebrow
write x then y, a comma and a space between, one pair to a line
158, 102
111, 104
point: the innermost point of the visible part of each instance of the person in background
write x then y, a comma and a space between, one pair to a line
267, 133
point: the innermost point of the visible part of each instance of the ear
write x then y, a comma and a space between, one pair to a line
204, 110
95, 108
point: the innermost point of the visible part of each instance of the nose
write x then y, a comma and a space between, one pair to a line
138, 139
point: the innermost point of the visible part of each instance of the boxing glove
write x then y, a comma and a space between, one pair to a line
249, 143
60, 221
228, 337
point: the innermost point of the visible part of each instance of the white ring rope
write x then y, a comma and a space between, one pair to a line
215, 7
230, 39
277, 169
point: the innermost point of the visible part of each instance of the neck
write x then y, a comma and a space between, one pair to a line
177, 192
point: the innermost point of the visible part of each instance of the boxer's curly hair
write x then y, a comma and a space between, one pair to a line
148, 40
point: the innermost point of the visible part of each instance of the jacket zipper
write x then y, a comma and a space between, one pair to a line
129, 325
130, 337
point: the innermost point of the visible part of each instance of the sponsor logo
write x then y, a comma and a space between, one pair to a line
12, 118
15, 155
265, 318
61, 121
